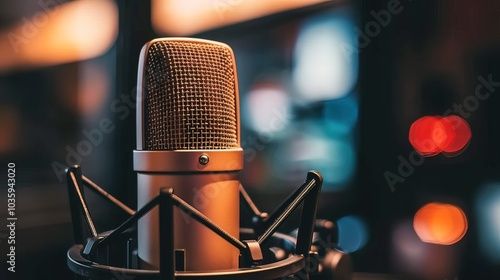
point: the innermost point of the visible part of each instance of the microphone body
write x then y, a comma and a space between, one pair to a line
204, 251
188, 140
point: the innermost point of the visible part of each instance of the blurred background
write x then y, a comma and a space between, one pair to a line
349, 88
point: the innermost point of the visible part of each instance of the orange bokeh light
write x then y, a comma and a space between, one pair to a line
440, 223
431, 135
181, 17
70, 32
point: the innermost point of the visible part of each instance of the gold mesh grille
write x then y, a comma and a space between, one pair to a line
190, 100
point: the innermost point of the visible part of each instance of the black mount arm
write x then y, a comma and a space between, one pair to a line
250, 249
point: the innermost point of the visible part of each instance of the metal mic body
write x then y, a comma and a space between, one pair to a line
188, 140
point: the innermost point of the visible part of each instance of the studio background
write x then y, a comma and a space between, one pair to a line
328, 85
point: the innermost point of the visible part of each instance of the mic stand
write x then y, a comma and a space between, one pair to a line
266, 225
80, 256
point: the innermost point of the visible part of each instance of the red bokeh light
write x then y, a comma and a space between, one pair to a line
422, 136
444, 133
462, 138
431, 135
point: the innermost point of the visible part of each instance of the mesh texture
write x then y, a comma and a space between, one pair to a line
190, 97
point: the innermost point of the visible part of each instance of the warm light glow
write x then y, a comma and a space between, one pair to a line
430, 136
181, 17
440, 223
70, 32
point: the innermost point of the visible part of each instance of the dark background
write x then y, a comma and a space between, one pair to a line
426, 59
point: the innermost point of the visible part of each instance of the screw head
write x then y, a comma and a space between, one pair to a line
204, 159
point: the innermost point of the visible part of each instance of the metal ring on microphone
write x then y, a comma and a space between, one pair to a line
189, 160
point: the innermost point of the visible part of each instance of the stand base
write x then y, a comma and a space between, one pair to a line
280, 262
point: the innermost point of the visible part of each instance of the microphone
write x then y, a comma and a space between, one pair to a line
188, 139
187, 158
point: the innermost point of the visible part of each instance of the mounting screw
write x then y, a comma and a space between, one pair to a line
204, 159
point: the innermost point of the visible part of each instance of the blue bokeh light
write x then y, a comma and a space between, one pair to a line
326, 67
488, 215
353, 233
341, 115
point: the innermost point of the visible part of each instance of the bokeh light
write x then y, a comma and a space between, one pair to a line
73, 31
462, 136
353, 233
421, 136
440, 223
325, 67
181, 17
407, 246
268, 108
488, 216
309, 146
443, 133
419, 260
432, 135
341, 115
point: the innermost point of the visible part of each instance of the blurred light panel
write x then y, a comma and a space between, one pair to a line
440, 223
353, 233
310, 147
181, 17
432, 135
488, 215
339, 163
324, 68
70, 32
269, 108
341, 115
